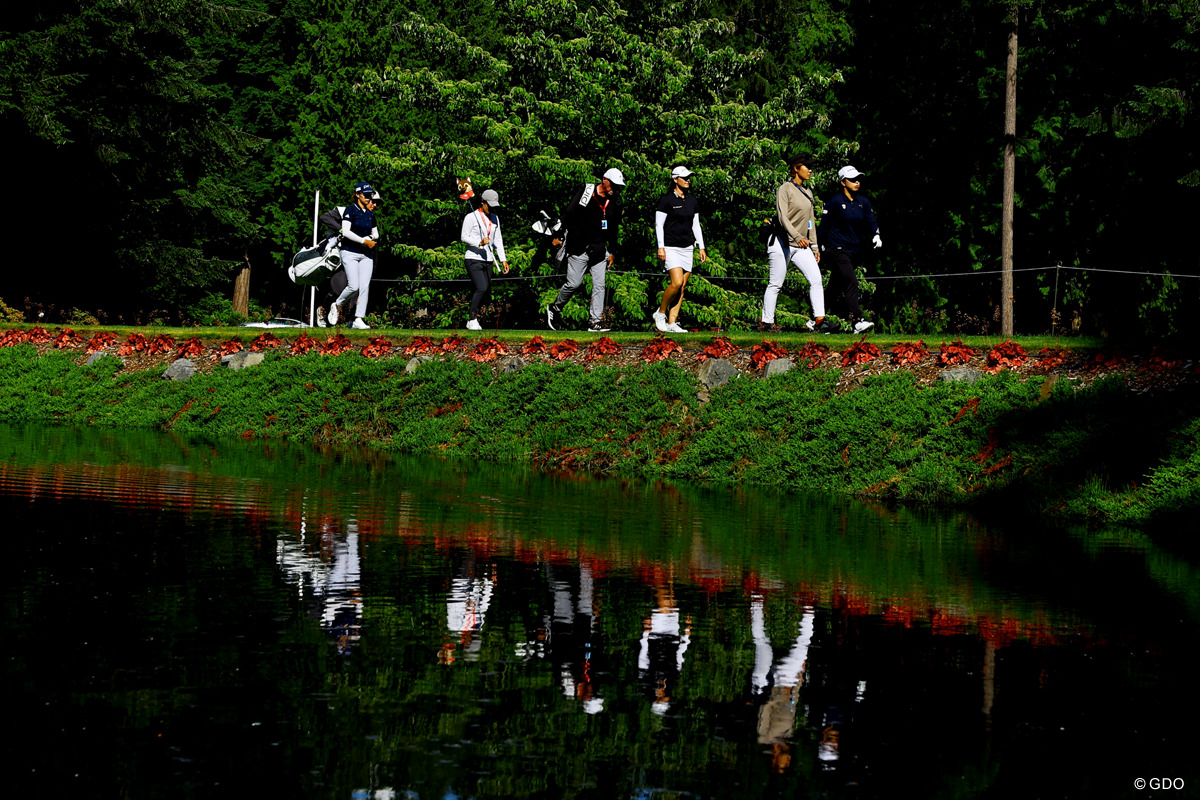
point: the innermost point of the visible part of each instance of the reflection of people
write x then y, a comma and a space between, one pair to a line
795, 243
665, 639
592, 220
677, 226
777, 716
466, 607
569, 637
485, 245
360, 234
847, 221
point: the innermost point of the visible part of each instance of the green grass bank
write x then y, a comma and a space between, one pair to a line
1100, 453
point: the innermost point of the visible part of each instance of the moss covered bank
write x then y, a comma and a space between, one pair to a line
1037, 445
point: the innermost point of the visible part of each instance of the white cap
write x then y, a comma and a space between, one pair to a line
848, 172
681, 172
615, 176
490, 197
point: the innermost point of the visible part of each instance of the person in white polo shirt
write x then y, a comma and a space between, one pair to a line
677, 226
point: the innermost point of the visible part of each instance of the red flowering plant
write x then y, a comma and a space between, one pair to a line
534, 347
100, 341
67, 338
955, 353
488, 350
376, 346
812, 354
135, 343
303, 345
719, 347
1006, 354
564, 349
39, 335
659, 349
451, 343
228, 348
908, 353
1162, 359
163, 343
192, 348
336, 344
1107, 359
14, 336
1052, 357
420, 346
265, 341
763, 354
600, 348
861, 352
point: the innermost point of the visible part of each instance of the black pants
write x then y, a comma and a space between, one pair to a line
843, 273
480, 273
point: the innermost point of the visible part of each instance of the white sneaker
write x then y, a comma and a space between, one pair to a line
660, 321
321, 323
862, 325
358, 324
473, 325
332, 316
675, 327
810, 325
598, 329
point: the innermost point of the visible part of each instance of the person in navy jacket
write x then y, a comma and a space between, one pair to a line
360, 235
847, 223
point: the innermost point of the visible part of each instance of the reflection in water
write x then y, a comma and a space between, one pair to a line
182, 619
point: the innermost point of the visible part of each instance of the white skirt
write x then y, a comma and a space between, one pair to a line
679, 258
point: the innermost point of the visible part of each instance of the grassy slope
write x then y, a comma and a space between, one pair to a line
1100, 453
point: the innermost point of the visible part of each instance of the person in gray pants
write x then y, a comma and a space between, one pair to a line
592, 222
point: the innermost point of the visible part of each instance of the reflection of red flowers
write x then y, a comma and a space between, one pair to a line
765, 353
600, 348
955, 353
100, 341
564, 349
534, 347
420, 345
907, 353
163, 343
190, 349
1006, 354
719, 347
488, 350
659, 349
136, 343
303, 345
265, 341
377, 346
860, 353
67, 338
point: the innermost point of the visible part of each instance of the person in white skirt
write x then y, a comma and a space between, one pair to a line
485, 245
677, 226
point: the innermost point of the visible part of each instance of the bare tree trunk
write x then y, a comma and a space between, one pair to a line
241, 288
1010, 182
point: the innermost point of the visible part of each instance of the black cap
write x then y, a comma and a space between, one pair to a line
804, 158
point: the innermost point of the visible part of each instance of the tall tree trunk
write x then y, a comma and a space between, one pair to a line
241, 288
1010, 182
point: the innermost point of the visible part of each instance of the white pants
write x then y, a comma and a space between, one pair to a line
780, 256
359, 269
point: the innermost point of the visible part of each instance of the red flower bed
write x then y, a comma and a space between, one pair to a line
189, 349
336, 344
488, 350
659, 349
955, 353
67, 338
764, 353
812, 354
564, 349
303, 345
1052, 357
451, 343
1107, 359
136, 343
600, 348
377, 346
100, 341
534, 347
420, 346
1006, 354
719, 347
265, 341
859, 353
228, 348
163, 343
907, 353
13, 336
1163, 359
38, 335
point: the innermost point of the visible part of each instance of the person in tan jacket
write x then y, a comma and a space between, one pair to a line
794, 242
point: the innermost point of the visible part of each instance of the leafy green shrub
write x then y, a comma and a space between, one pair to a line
215, 310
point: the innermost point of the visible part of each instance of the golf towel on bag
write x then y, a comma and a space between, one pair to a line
312, 266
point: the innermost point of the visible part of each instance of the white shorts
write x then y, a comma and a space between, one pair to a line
679, 258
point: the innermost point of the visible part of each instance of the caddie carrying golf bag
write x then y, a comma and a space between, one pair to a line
314, 265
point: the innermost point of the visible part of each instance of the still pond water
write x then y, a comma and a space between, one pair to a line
189, 619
